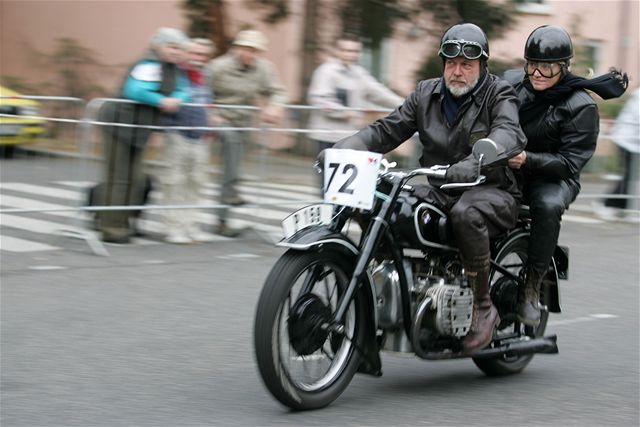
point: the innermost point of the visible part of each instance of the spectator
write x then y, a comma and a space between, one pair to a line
186, 155
338, 83
626, 134
242, 77
159, 88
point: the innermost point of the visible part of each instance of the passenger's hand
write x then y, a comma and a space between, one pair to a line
272, 114
466, 170
170, 105
517, 161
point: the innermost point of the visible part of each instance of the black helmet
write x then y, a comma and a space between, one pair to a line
466, 40
548, 43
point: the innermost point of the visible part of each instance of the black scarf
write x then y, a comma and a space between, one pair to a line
607, 86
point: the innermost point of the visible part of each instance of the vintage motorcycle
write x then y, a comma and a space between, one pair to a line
330, 305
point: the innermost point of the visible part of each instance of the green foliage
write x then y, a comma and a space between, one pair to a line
18, 84
493, 18
76, 67
432, 67
372, 20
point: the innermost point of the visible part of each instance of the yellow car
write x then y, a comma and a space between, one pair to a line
18, 130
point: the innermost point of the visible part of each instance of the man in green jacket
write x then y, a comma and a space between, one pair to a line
242, 77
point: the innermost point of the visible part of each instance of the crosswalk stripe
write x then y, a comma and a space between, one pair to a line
15, 244
40, 190
24, 203
34, 225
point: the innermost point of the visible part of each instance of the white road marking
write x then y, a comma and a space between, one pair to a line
589, 318
40, 190
46, 267
14, 244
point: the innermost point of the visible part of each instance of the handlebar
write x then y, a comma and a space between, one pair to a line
440, 171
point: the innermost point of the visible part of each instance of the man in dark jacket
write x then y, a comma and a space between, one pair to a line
450, 114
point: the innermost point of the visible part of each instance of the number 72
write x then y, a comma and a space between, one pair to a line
348, 169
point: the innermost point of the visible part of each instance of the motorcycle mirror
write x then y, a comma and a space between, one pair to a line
486, 148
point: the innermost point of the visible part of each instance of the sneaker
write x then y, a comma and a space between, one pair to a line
201, 236
226, 231
116, 237
605, 213
178, 239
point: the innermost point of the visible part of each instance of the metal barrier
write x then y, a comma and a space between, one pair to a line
87, 151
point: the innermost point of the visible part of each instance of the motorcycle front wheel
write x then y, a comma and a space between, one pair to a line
512, 256
304, 364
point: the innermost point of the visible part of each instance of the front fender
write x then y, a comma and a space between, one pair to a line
317, 237
321, 238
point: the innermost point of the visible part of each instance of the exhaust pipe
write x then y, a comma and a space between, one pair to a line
547, 345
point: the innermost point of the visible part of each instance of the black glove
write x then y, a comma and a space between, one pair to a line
466, 170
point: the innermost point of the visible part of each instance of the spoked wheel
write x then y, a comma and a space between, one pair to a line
504, 293
303, 363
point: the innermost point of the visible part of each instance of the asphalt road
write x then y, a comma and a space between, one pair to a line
162, 336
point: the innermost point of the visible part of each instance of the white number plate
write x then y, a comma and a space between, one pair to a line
9, 129
306, 217
350, 177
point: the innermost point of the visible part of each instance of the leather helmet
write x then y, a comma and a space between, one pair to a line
467, 36
548, 43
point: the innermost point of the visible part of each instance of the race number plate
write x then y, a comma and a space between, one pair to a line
308, 216
350, 177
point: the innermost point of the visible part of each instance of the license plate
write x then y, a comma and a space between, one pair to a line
308, 216
9, 130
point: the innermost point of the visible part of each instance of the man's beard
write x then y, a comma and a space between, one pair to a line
458, 91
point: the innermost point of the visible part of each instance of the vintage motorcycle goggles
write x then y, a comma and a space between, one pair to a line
454, 48
546, 69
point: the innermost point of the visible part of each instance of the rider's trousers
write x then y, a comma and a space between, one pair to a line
477, 215
547, 202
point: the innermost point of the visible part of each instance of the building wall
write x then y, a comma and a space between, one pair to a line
118, 32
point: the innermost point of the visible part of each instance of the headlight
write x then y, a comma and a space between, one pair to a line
29, 111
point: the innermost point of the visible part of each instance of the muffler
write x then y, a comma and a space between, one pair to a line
546, 345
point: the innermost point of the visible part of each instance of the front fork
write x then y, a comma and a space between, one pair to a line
375, 232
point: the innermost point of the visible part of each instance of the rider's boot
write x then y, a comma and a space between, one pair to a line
485, 316
528, 309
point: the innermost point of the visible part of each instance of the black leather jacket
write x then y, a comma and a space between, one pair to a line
491, 111
562, 140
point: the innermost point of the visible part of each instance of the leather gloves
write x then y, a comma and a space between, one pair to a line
466, 170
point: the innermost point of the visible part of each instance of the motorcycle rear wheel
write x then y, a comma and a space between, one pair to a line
513, 256
303, 365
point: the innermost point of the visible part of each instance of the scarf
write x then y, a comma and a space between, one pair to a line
607, 86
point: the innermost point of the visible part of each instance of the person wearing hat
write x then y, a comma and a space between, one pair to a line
450, 113
561, 123
158, 87
242, 77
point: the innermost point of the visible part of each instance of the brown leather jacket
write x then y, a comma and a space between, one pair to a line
491, 111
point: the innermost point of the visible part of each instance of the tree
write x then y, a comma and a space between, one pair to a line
493, 18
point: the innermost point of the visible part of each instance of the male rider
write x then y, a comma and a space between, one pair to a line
450, 114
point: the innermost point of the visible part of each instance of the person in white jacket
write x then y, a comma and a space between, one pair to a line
340, 82
626, 134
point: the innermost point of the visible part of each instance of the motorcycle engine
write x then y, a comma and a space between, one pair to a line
451, 310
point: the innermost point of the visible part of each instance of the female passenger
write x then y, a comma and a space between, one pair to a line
561, 122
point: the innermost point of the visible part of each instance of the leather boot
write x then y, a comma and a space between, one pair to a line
485, 316
528, 309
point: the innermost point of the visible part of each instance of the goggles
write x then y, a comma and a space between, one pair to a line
546, 69
454, 48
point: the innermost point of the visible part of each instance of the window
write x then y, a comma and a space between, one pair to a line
591, 55
534, 6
